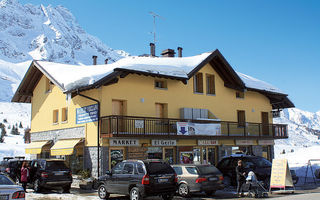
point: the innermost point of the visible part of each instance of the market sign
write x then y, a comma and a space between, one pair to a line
244, 142
87, 114
207, 142
124, 142
188, 128
164, 143
266, 142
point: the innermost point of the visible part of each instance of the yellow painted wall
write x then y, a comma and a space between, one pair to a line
133, 89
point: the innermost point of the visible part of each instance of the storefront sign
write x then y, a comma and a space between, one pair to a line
244, 142
186, 128
280, 174
164, 143
138, 123
124, 142
87, 114
207, 142
266, 142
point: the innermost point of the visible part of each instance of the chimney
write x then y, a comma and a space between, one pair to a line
106, 61
168, 53
179, 51
152, 50
94, 60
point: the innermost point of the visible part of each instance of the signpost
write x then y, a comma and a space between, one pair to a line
87, 114
280, 176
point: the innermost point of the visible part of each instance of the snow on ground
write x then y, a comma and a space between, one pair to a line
14, 113
53, 196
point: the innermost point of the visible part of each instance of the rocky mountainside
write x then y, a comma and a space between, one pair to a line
49, 33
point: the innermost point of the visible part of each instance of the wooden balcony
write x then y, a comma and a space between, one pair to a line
129, 126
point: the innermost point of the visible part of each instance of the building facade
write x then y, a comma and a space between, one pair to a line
180, 109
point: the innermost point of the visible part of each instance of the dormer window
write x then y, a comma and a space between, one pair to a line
160, 84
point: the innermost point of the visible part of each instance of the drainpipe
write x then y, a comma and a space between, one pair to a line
98, 134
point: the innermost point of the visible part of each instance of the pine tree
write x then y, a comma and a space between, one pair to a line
20, 125
3, 133
5, 121
14, 131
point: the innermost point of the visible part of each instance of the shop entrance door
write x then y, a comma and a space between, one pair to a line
209, 155
265, 123
116, 155
169, 155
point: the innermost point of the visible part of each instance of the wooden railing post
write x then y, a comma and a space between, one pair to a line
228, 125
144, 126
117, 124
259, 126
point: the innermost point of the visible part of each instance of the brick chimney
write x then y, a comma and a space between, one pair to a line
168, 53
179, 51
152, 50
94, 58
106, 61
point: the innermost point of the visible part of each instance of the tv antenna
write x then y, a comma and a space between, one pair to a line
154, 15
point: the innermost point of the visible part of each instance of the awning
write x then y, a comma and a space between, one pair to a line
36, 147
64, 147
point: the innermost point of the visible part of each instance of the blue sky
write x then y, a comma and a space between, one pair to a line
275, 41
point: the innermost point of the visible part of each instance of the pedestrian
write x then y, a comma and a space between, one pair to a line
241, 178
24, 175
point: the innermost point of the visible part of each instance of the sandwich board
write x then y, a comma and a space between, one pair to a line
281, 180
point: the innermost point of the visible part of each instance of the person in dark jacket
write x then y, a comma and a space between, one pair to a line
24, 175
241, 178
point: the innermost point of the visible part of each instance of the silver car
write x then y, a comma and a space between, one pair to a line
9, 190
198, 178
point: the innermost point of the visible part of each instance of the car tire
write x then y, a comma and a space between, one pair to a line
210, 193
102, 192
135, 194
66, 189
183, 190
167, 196
227, 181
36, 186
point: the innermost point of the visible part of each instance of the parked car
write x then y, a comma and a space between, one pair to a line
139, 179
198, 178
259, 165
9, 190
50, 174
12, 167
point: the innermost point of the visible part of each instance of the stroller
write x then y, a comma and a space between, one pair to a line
255, 187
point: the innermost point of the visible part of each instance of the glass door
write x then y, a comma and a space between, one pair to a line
169, 155
116, 156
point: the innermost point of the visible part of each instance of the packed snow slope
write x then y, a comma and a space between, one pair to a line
49, 33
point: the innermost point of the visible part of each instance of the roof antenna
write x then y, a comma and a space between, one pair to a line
154, 15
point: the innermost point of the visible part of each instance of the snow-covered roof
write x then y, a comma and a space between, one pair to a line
254, 83
70, 77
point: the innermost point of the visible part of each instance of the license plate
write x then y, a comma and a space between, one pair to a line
213, 179
58, 173
162, 180
4, 197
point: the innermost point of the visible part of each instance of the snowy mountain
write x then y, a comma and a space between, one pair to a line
49, 33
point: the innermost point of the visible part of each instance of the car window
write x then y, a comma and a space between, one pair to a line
55, 165
192, 170
5, 181
178, 170
224, 163
208, 169
159, 168
127, 169
118, 168
248, 164
140, 168
262, 162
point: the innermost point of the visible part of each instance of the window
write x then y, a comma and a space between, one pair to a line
140, 168
198, 83
241, 118
160, 84
240, 95
192, 170
55, 116
178, 170
64, 114
127, 169
210, 84
49, 86
118, 168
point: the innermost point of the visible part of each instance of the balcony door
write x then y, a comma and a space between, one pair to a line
118, 108
265, 123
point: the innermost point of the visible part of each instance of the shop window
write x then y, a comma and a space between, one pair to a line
241, 118
127, 169
198, 83
160, 84
49, 86
210, 84
169, 155
118, 168
186, 157
116, 156
178, 170
154, 153
64, 115
239, 95
55, 116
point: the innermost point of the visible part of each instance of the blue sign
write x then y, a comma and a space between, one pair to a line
87, 114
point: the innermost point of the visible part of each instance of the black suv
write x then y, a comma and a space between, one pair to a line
12, 167
259, 165
50, 174
138, 179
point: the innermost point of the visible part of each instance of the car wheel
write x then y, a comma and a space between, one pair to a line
36, 186
210, 193
167, 196
102, 192
66, 189
135, 194
183, 190
227, 181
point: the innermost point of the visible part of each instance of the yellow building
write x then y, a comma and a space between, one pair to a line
180, 109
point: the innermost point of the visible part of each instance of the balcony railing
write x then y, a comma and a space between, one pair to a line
119, 126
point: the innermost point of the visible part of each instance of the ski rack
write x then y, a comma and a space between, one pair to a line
313, 176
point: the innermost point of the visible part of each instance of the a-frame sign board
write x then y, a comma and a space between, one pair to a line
281, 180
